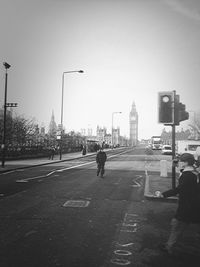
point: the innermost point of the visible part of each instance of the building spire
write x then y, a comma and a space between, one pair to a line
52, 125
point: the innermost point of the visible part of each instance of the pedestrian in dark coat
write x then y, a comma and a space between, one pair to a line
101, 158
188, 206
84, 150
51, 152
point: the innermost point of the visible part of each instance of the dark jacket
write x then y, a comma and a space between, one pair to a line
188, 203
101, 157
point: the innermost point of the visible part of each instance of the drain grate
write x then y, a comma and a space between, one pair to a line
76, 203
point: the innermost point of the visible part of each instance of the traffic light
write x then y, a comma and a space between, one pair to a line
183, 114
176, 109
180, 114
165, 100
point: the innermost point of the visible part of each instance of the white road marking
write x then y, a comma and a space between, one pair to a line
76, 203
129, 231
128, 224
21, 181
122, 252
61, 170
124, 245
128, 228
120, 262
136, 184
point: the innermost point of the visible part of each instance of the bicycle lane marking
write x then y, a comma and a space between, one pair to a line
125, 245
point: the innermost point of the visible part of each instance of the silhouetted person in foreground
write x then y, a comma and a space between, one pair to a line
101, 158
188, 203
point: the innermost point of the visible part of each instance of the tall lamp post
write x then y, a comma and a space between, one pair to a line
61, 121
3, 146
115, 112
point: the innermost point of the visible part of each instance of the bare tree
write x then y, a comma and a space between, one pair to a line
19, 130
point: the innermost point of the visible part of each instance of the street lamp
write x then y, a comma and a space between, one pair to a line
115, 112
3, 146
61, 121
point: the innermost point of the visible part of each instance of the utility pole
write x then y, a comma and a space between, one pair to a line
61, 120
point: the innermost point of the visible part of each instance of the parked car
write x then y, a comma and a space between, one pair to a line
167, 150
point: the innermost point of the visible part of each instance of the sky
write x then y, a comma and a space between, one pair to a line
129, 51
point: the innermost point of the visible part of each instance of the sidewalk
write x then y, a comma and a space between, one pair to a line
27, 163
155, 183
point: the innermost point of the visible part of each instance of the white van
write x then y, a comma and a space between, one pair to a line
189, 146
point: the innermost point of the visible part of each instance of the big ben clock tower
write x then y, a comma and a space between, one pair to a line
133, 121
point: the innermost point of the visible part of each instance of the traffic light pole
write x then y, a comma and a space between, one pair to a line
173, 157
171, 112
173, 142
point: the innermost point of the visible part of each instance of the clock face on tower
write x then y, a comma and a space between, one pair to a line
133, 117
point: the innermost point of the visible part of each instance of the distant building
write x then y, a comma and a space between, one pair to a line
180, 135
108, 140
83, 132
52, 126
101, 133
116, 136
89, 131
133, 122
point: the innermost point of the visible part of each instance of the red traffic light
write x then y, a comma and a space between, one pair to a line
165, 100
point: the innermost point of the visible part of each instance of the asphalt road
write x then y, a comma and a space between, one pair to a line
64, 215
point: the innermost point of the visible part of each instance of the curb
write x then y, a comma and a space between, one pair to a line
46, 163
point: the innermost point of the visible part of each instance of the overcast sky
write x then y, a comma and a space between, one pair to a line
129, 51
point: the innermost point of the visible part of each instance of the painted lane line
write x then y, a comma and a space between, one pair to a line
128, 224
128, 231
136, 184
4, 173
31, 178
52, 172
120, 262
21, 181
76, 166
124, 245
122, 252
60, 170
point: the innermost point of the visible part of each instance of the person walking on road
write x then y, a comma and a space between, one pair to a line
84, 150
188, 202
101, 158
